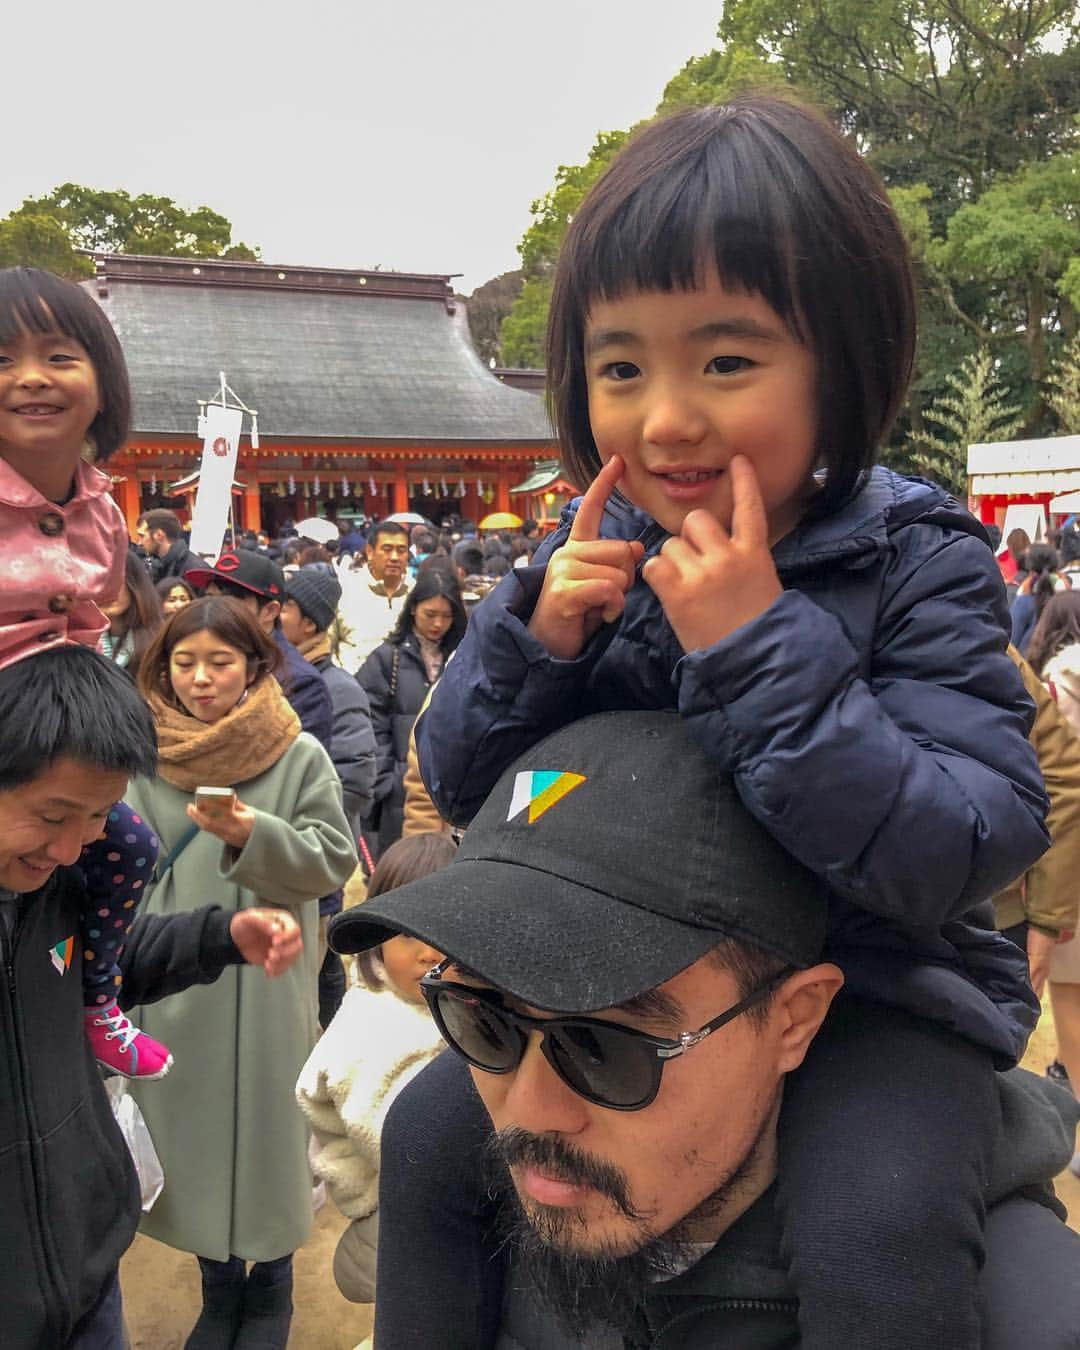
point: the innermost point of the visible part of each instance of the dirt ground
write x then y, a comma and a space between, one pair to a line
161, 1286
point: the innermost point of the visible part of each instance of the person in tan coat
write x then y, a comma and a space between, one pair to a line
421, 814
1039, 909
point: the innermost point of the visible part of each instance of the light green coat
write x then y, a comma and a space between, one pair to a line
231, 1138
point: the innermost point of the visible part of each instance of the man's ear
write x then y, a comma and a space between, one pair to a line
269, 612
801, 1004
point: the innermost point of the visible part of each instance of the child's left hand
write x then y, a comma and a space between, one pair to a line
267, 937
234, 828
710, 581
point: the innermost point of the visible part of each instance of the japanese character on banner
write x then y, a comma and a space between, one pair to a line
316, 485
153, 484
292, 486
372, 488
345, 491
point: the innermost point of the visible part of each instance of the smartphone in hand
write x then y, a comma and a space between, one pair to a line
217, 802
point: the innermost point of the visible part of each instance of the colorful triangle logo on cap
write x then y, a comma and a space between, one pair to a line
539, 790
61, 955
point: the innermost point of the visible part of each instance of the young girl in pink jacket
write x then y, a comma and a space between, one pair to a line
64, 397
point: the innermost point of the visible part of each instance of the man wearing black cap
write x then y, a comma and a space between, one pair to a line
633, 968
259, 583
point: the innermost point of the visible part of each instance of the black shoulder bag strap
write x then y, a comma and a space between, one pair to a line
165, 863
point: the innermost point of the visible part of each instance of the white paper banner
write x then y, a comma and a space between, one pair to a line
211, 512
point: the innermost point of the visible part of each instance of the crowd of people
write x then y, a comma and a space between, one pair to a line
678, 1009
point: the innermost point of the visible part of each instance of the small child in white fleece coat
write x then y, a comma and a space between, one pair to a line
380, 1039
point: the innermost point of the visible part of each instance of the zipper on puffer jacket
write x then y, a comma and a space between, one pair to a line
54, 1300
733, 1305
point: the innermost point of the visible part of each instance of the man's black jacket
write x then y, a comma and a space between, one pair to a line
70, 1198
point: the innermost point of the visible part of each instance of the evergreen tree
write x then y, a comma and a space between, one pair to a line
1064, 388
972, 411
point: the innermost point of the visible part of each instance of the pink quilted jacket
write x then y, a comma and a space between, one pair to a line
58, 564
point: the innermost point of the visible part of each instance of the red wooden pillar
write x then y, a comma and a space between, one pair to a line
400, 499
252, 507
502, 489
127, 494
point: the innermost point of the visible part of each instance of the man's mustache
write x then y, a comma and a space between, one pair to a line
516, 1147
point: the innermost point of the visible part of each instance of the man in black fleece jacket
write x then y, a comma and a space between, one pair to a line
72, 732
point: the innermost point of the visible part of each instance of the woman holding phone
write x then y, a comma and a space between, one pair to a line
248, 811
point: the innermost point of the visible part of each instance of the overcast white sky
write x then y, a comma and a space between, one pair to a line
413, 135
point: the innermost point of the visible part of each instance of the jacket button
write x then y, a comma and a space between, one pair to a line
61, 604
51, 524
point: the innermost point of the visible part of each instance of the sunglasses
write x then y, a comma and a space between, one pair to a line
608, 1064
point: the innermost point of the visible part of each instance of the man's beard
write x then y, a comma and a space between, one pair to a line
607, 1285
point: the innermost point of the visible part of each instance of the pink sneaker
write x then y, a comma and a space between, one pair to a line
122, 1048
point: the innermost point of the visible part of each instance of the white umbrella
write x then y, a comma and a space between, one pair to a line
318, 529
406, 518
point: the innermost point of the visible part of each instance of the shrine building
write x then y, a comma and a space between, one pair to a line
369, 393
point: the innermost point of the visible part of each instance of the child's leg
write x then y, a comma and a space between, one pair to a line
885, 1140
439, 1274
117, 868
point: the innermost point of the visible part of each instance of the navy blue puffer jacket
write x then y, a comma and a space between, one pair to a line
870, 717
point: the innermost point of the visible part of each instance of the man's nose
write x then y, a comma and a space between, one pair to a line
537, 1098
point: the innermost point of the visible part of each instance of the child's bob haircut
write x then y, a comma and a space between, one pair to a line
770, 194
33, 301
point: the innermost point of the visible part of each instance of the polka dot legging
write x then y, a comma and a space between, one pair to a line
117, 867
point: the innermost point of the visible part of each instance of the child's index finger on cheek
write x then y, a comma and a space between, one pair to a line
590, 513
748, 521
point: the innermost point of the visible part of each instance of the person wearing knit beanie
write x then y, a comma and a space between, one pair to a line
316, 592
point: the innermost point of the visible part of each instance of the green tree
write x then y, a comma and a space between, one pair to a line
41, 241
949, 92
115, 222
488, 305
522, 334
1064, 388
1016, 242
972, 411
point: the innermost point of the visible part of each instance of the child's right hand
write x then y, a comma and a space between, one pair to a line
587, 579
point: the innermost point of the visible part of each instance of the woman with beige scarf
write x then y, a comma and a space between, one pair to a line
232, 1143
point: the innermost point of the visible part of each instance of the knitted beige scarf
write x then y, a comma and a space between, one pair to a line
243, 744
314, 648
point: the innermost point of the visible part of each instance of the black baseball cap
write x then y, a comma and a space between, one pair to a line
251, 571
608, 858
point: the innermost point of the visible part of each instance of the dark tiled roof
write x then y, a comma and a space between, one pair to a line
313, 363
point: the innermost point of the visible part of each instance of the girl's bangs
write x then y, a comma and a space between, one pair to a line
721, 209
32, 301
